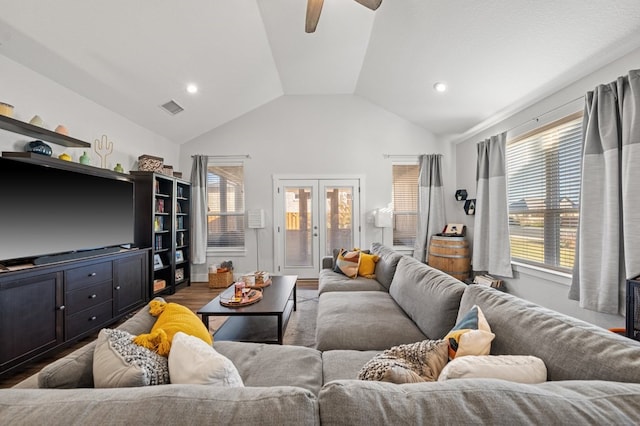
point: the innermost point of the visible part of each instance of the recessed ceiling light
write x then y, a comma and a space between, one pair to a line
192, 88
440, 87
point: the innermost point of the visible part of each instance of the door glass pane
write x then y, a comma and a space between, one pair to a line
339, 218
298, 224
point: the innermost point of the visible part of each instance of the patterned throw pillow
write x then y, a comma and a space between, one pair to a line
410, 363
118, 362
471, 335
172, 318
347, 263
367, 266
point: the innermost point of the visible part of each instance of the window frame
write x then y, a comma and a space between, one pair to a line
551, 218
216, 162
396, 213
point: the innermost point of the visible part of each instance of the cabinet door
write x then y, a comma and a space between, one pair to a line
31, 317
130, 284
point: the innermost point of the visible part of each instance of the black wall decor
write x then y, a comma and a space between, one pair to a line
470, 206
461, 194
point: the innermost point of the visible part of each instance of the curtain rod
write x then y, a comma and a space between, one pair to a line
537, 118
403, 155
227, 156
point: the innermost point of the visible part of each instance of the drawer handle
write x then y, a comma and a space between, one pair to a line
61, 308
118, 287
93, 274
93, 296
93, 318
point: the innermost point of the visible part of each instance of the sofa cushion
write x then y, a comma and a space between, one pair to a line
76, 369
386, 266
515, 368
332, 281
479, 401
192, 361
570, 348
172, 318
410, 363
118, 362
471, 335
274, 365
347, 263
362, 320
344, 364
430, 297
160, 405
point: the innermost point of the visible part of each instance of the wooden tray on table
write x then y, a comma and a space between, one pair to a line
227, 298
262, 285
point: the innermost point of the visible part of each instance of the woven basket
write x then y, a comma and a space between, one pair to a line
167, 170
220, 279
149, 163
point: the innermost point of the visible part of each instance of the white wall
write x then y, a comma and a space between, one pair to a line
314, 136
31, 93
550, 290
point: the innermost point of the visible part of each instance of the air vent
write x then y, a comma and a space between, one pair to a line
172, 107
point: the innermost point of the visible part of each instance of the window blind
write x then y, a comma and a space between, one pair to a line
405, 203
225, 202
543, 186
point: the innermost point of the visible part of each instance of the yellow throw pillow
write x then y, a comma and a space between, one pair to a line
172, 318
367, 267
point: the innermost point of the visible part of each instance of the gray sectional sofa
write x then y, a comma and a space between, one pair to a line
593, 374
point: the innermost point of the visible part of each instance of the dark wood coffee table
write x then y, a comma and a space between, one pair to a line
262, 322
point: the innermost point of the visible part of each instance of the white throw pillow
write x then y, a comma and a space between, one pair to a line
193, 361
514, 368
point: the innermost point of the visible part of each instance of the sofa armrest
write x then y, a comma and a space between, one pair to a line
327, 262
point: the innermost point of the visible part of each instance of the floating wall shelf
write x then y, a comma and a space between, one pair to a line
17, 126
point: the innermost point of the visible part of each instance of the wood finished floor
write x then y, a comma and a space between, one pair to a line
194, 297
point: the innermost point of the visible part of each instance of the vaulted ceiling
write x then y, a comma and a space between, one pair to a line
495, 55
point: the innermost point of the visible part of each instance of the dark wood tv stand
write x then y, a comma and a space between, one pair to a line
45, 308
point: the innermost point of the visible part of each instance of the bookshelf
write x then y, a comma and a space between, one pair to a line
163, 224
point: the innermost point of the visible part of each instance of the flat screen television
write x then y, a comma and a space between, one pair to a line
47, 211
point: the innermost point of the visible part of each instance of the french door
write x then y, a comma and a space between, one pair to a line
312, 217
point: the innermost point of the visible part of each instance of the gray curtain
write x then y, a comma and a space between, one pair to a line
491, 246
608, 248
431, 217
199, 209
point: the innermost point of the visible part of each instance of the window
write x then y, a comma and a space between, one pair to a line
405, 203
225, 213
544, 194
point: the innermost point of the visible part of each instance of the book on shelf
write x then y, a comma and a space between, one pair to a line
487, 280
159, 206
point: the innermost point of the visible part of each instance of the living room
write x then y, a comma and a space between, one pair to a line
328, 105
341, 135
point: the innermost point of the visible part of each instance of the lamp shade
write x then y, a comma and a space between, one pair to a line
383, 218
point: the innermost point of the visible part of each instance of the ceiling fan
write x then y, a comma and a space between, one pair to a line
314, 7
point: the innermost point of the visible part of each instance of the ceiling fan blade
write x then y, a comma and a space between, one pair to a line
314, 7
371, 4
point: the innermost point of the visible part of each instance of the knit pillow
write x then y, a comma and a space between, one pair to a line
410, 363
172, 318
347, 263
118, 362
367, 266
514, 368
471, 335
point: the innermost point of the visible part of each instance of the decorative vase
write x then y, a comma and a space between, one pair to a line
38, 147
84, 158
118, 168
37, 121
